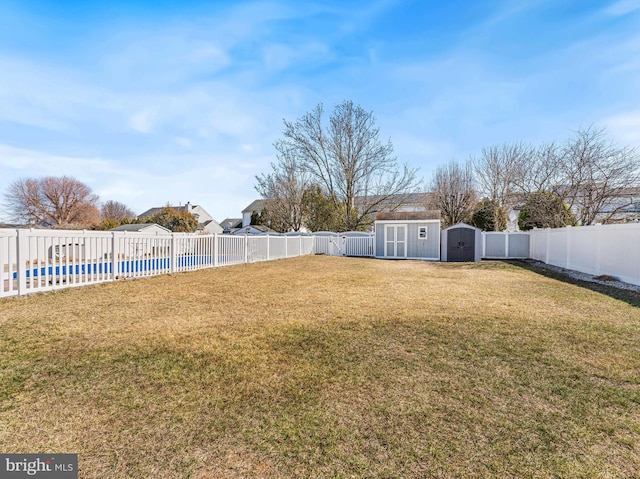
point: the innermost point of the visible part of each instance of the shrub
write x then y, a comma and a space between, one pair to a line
543, 209
489, 216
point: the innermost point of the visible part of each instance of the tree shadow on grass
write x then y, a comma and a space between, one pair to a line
628, 296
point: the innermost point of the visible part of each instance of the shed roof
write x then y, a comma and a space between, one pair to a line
462, 225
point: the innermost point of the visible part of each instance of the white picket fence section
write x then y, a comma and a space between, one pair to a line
44, 260
351, 243
598, 249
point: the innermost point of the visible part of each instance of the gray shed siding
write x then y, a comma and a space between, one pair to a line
416, 248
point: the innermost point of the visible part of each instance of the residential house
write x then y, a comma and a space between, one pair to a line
253, 230
229, 225
256, 206
146, 228
206, 223
209, 228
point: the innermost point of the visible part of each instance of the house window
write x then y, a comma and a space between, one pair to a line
422, 232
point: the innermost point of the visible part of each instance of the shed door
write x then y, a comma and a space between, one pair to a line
395, 241
461, 244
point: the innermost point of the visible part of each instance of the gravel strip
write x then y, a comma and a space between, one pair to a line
584, 276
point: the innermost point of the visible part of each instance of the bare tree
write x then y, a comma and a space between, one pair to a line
115, 211
283, 190
500, 170
347, 159
540, 169
453, 192
60, 202
596, 173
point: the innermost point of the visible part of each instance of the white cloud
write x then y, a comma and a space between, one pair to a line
623, 7
625, 127
37, 163
222, 185
142, 121
37, 94
184, 142
280, 56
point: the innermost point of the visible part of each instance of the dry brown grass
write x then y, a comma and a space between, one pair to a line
326, 367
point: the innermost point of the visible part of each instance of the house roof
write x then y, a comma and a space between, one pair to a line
252, 229
139, 227
206, 223
263, 228
232, 222
408, 215
256, 205
158, 209
410, 202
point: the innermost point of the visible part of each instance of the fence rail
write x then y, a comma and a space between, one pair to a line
44, 260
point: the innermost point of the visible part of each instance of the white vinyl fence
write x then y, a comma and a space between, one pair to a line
505, 245
43, 260
599, 249
351, 243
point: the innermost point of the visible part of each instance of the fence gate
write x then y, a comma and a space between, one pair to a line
360, 244
338, 246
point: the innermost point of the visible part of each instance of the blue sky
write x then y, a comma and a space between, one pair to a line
162, 102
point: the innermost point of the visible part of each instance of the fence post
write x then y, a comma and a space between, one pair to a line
548, 245
597, 244
506, 244
215, 250
268, 242
114, 256
285, 247
246, 248
568, 244
300, 251
532, 240
22, 256
174, 253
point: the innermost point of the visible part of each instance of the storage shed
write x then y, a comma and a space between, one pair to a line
461, 242
408, 235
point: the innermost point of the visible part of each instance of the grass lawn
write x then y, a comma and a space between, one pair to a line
327, 367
